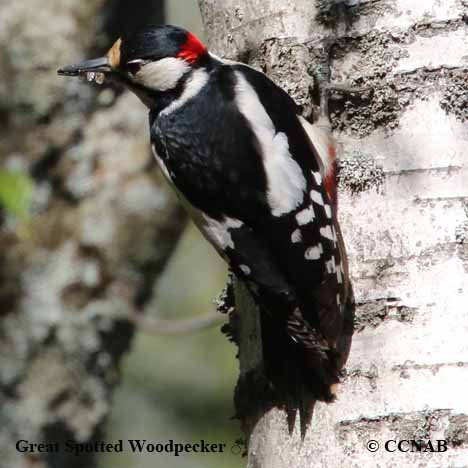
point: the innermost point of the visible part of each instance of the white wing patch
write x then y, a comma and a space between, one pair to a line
339, 276
245, 269
327, 233
317, 177
286, 182
218, 232
305, 216
314, 253
316, 197
331, 265
296, 236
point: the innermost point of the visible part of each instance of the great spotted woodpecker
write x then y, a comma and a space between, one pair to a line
257, 178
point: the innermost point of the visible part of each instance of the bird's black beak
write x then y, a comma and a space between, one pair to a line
99, 65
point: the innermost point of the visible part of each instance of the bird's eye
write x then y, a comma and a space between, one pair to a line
134, 66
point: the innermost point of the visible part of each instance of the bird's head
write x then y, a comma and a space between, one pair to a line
150, 61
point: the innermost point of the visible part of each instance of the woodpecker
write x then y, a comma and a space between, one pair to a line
258, 180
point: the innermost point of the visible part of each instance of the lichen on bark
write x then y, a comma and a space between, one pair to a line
101, 227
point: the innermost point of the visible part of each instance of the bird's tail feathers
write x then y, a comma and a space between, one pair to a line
298, 361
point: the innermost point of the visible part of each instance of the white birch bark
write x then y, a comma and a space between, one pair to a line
404, 212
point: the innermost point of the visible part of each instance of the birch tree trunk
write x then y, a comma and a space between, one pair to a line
403, 137
100, 231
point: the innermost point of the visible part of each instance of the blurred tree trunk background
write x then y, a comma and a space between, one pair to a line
398, 71
85, 226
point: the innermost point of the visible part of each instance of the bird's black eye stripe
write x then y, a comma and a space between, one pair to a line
134, 66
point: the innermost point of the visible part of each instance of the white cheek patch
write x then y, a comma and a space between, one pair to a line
286, 182
163, 74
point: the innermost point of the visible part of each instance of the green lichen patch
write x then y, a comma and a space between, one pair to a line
16, 189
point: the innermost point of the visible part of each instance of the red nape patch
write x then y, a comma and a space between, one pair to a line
193, 49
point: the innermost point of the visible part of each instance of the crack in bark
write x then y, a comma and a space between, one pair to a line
371, 374
410, 426
376, 312
434, 368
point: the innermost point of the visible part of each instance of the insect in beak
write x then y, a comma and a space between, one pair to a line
92, 70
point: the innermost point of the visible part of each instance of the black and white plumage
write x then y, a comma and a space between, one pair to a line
258, 180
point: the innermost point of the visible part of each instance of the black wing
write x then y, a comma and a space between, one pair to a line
294, 261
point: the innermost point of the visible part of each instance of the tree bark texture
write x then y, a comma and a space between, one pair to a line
398, 72
102, 227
